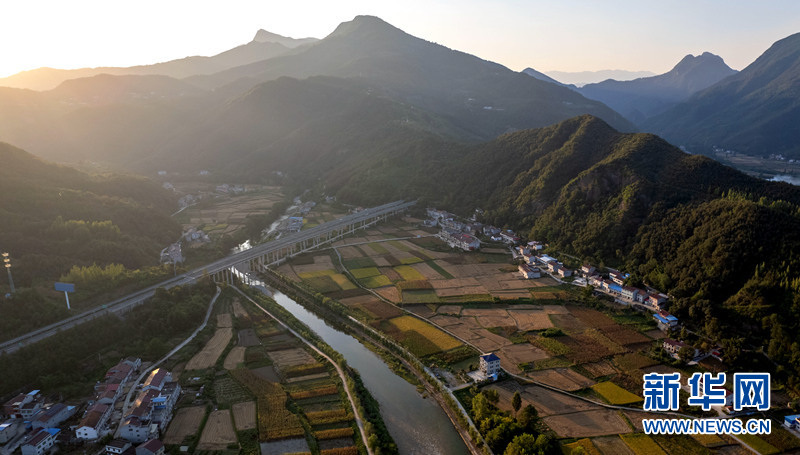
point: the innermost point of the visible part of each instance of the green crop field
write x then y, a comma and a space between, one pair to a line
376, 281
365, 272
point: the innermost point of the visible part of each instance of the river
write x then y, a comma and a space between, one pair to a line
418, 425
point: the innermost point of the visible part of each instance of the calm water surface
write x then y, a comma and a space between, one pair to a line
418, 425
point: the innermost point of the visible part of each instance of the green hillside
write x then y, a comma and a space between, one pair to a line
54, 217
726, 245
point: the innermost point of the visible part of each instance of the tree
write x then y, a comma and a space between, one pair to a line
524, 444
686, 353
516, 402
527, 418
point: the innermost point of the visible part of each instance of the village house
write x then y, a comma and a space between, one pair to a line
10, 429
596, 281
490, 231
792, 421
529, 272
587, 270
617, 278
564, 272
535, 246
53, 416
629, 292
665, 320
157, 379
458, 240
93, 424
119, 373
40, 442
489, 365
117, 447
151, 412
151, 447
107, 393
673, 346
509, 237
523, 250
657, 300
23, 406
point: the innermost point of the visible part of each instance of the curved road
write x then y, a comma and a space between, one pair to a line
127, 402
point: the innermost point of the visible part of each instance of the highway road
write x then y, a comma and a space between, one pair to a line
123, 304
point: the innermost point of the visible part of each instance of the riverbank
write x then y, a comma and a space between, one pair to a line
331, 312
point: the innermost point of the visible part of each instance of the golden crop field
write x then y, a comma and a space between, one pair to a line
319, 273
615, 394
408, 273
642, 444
442, 340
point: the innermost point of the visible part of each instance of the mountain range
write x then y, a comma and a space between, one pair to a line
122, 123
264, 45
642, 98
370, 113
581, 78
755, 112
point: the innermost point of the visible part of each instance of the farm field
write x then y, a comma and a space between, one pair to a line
244, 415
212, 350
219, 214
538, 328
234, 358
185, 423
224, 320
218, 432
598, 422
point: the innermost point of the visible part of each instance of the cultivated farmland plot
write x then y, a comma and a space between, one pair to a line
298, 445
224, 320
545, 401
530, 319
238, 309
218, 432
291, 357
585, 424
244, 415
234, 358
513, 355
185, 423
563, 378
248, 337
207, 358
612, 445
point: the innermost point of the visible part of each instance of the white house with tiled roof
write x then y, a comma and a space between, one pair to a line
490, 364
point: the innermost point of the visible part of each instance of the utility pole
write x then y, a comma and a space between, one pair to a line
7, 261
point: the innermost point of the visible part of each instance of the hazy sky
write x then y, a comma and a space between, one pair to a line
568, 35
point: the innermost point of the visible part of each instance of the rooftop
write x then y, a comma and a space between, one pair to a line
491, 357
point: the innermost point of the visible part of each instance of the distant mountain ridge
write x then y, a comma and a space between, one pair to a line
755, 111
144, 122
642, 98
264, 45
480, 96
580, 78
543, 77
